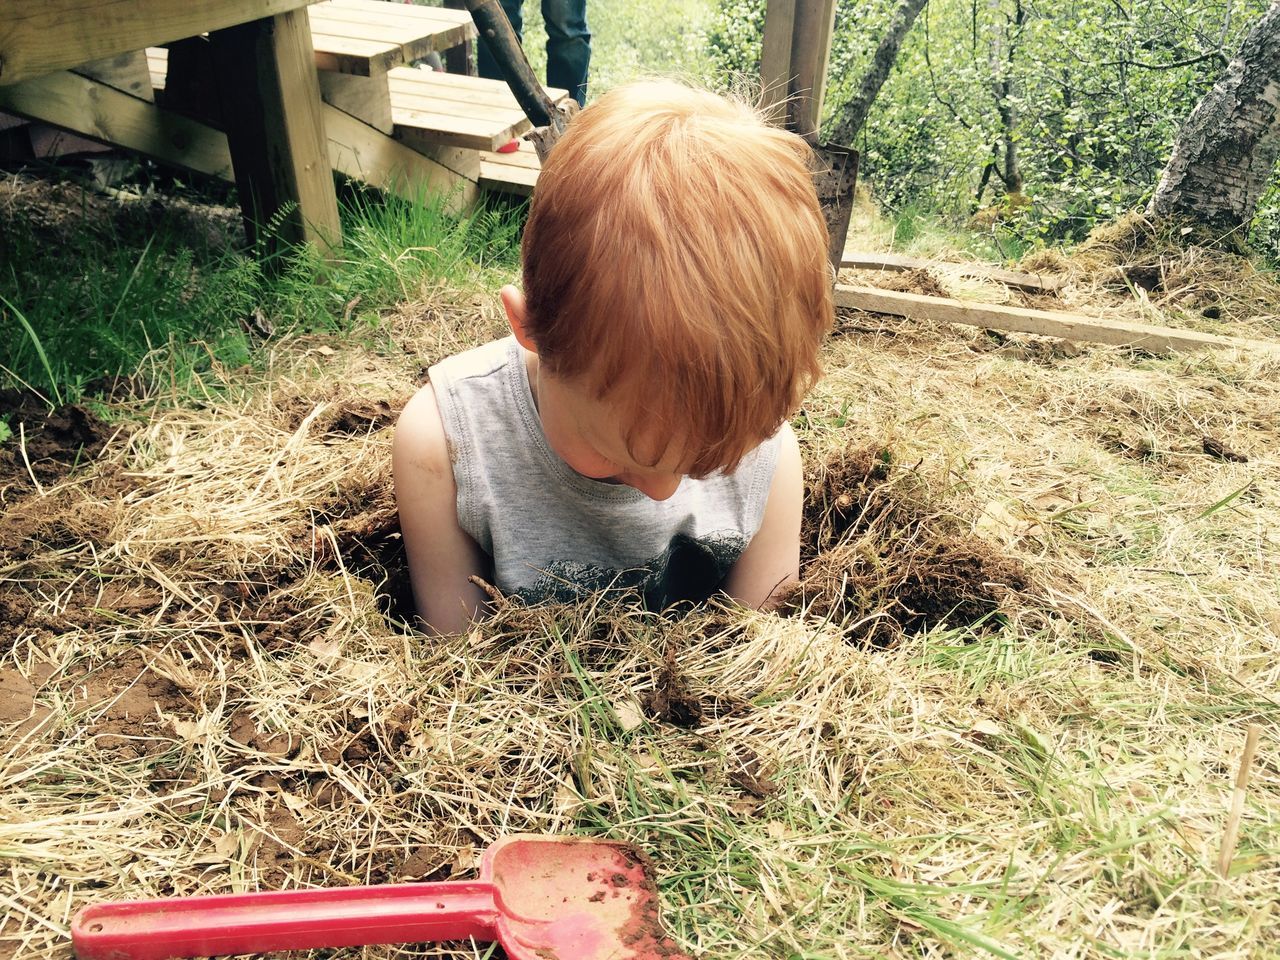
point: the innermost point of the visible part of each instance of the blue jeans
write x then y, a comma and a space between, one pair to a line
568, 45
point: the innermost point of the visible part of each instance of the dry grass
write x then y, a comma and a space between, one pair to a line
219, 703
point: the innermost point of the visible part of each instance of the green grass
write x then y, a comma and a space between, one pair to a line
100, 300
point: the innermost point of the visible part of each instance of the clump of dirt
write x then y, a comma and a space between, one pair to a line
671, 698
919, 281
750, 774
885, 562
846, 493
54, 442
340, 416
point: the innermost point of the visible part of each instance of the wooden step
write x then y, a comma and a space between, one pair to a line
451, 110
385, 34
515, 173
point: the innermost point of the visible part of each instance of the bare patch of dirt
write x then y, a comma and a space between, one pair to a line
340, 416
18, 703
128, 703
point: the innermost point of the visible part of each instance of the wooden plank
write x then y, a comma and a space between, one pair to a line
775, 58
158, 66
365, 98
101, 113
275, 129
1069, 326
127, 72
450, 130
526, 157
466, 90
422, 100
413, 45
94, 110
360, 152
475, 84
41, 37
410, 20
363, 58
506, 178
465, 163
1034, 282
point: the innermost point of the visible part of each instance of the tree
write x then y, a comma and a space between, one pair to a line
1224, 154
854, 114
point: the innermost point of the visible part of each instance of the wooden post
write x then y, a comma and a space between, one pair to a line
793, 61
810, 51
275, 129
775, 58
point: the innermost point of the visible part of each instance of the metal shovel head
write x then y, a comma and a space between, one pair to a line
561, 898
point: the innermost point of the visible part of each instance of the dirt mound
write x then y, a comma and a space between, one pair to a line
671, 700
52, 442
884, 560
919, 281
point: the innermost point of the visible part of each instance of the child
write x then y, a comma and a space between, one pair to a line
632, 432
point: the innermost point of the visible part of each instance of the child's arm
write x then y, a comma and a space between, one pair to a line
771, 562
441, 555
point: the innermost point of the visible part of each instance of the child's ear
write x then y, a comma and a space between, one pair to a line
517, 316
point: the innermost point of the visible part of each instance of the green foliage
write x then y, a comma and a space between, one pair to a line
94, 302
1097, 89
632, 40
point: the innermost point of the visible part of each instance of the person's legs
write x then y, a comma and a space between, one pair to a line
486, 66
568, 46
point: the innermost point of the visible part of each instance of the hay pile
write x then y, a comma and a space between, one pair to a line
203, 691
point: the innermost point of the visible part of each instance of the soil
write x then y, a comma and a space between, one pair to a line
55, 441
671, 699
878, 555
919, 281
125, 701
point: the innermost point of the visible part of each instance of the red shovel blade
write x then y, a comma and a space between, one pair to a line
579, 899
542, 898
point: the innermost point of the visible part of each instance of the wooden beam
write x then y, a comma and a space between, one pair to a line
1069, 326
94, 110
363, 153
1034, 282
775, 58
275, 128
365, 98
41, 36
99, 112
127, 72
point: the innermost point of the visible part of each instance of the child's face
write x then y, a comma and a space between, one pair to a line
589, 436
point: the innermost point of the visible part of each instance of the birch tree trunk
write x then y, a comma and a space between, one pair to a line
1224, 154
855, 112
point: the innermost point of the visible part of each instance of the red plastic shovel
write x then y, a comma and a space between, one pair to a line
542, 898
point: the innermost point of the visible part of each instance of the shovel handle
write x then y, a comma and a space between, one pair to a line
241, 923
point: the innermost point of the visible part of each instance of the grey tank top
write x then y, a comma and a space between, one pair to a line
554, 534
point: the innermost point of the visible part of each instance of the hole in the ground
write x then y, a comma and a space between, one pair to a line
882, 559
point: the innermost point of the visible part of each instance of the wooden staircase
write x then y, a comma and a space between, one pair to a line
386, 121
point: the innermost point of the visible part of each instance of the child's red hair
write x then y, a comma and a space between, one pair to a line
675, 262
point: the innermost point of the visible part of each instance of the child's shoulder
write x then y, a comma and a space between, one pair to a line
479, 361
